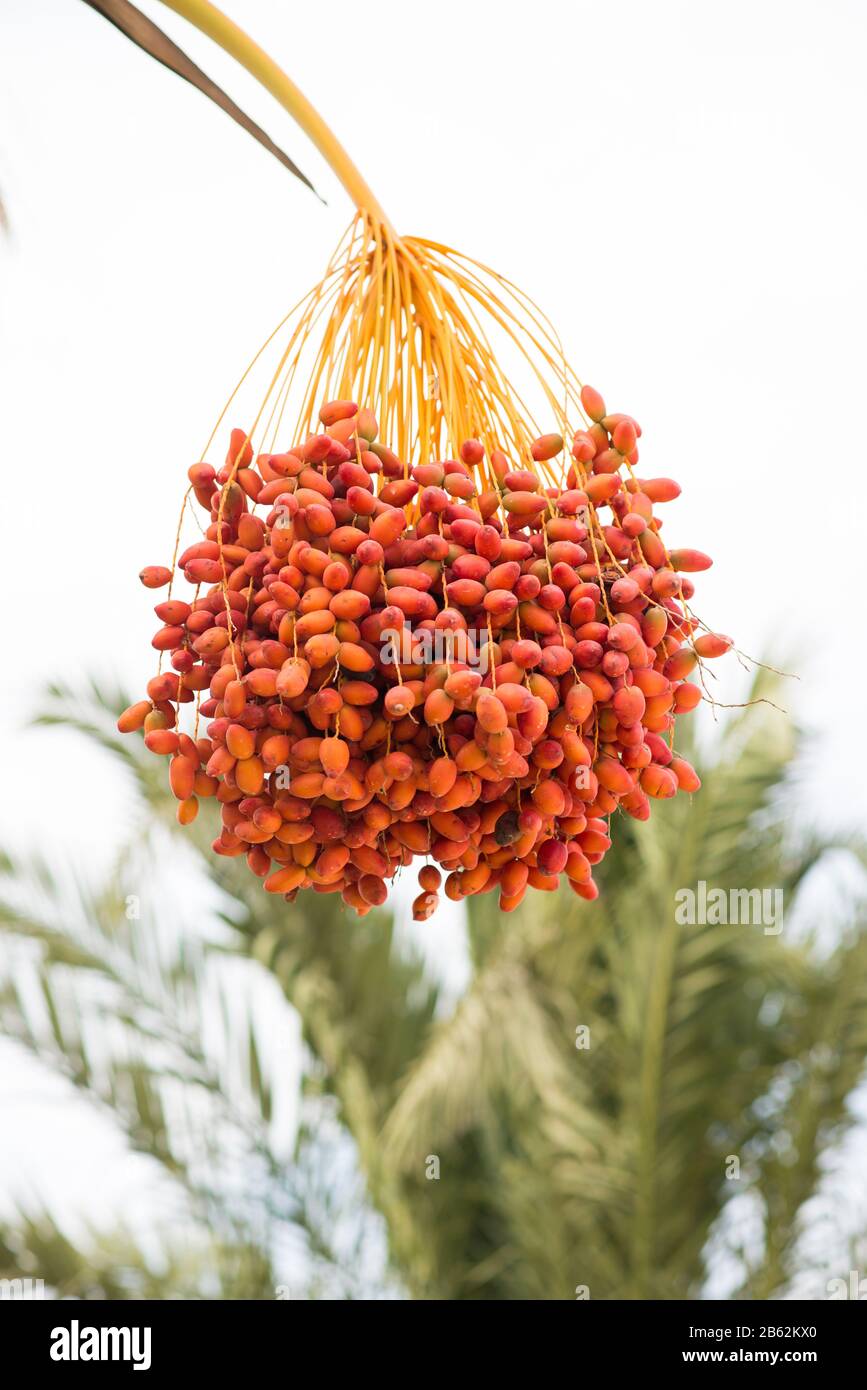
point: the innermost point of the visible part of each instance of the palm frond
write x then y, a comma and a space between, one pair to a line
560, 1165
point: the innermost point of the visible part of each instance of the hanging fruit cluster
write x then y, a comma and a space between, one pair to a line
545, 646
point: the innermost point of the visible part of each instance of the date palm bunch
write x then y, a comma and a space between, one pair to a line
398, 477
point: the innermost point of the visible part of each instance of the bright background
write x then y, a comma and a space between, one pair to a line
680, 186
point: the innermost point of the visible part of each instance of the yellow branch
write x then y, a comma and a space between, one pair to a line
211, 21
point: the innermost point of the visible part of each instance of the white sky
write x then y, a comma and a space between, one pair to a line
680, 186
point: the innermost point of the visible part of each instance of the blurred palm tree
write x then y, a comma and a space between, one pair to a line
158, 1023
583, 1120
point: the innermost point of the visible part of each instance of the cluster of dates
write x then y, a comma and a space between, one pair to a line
452, 662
